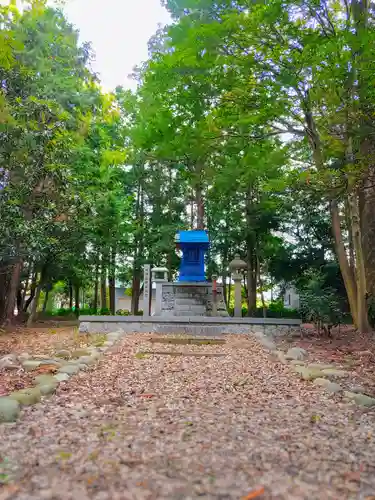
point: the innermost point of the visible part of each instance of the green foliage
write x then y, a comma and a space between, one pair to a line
319, 303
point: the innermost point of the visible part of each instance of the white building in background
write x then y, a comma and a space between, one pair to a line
291, 298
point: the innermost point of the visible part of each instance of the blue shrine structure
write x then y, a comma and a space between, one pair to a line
194, 245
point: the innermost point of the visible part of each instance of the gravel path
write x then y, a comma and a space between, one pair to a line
176, 427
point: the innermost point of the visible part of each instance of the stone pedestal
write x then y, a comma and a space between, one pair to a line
192, 299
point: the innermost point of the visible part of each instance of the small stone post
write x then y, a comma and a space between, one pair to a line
159, 276
236, 266
146, 289
214, 295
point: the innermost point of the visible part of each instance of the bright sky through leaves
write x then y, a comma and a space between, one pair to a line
119, 31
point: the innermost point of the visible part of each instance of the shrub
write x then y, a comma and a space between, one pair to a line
319, 303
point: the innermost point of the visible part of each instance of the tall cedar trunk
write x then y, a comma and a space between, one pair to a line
350, 236
362, 314
103, 284
70, 296
45, 301
346, 272
364, 220
112, 282
32, 291
200, 208
251, 280
12, 291
96, 287
260, 281
136, 281
24, 291
76, 300
3, 288
34, 305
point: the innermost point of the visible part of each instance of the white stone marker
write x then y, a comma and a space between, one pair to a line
146, 290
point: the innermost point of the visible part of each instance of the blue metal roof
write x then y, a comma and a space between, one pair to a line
192, 237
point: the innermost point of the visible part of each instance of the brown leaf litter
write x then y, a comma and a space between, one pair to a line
176, 427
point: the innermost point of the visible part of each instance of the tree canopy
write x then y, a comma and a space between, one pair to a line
252, 120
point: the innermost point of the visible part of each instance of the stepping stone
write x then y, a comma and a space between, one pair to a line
86, 360
30, 365
328, 385
47, 389
306, 373
69, 369
296, 353
62, 377
9, 409
333, 372
281, 357
27, 396
320, 366
184, 341
80, 352
360, 399
62, 353
52, 362
45, 380
192, 354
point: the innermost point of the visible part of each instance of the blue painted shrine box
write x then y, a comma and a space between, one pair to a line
194, 245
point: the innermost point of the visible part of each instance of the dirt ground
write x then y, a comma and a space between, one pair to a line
156, 426
346, 347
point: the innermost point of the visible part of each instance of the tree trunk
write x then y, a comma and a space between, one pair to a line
70, 296
96, 287
112, 282
45, 301
251, 281
136, 291
200, 208
34, 305
12, 291
76, 300
346, 271
362, 314
103, 286
260, 281
32, 291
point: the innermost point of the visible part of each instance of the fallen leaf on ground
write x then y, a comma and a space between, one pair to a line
254, 494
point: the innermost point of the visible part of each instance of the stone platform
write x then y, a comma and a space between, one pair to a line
206, 326
189, 299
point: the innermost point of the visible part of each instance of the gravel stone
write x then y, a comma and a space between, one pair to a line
328, 385
62, 353
26, 397
62, 377
30, 365
296, 353
69, 369
307, 373
331, 372
9, 409
175, 427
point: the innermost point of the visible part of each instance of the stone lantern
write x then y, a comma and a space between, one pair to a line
159, 276
236, 266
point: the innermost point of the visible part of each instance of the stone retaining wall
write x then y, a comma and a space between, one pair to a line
270, 327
